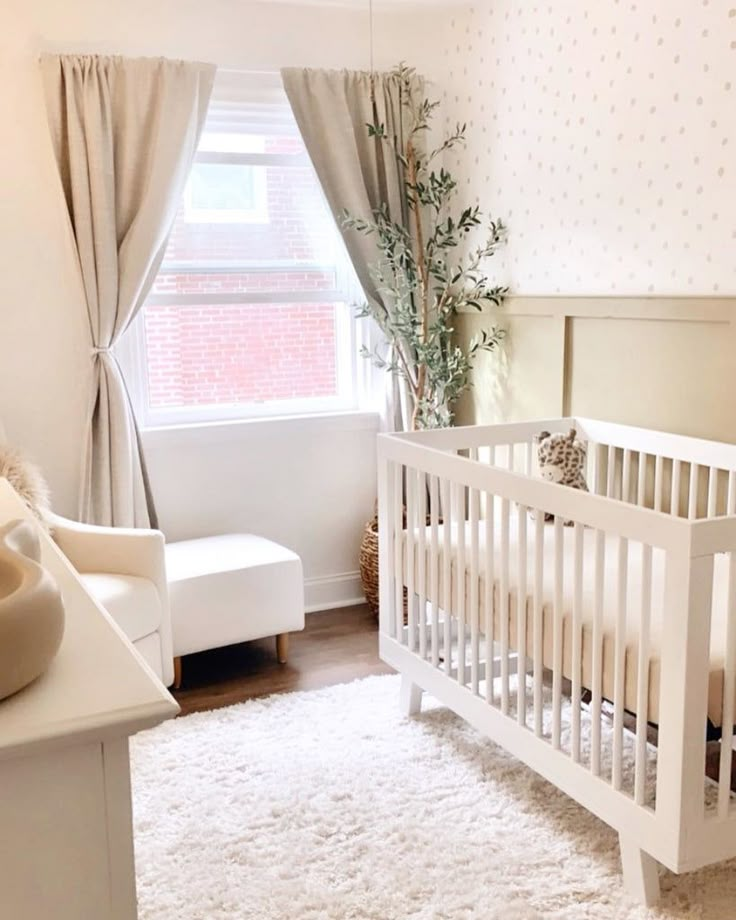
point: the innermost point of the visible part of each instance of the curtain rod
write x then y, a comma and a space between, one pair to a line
260, 73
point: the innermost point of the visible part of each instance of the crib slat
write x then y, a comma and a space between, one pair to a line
504, 606
489, 591
510, 458
641, 480
473, 613
597, 671
447, 573
528, 453
577, 642
731, 497
521, 601
658, 485
729, 688
642, 675
712, 491
460, 581
434, 565
611, 472
676, 479
421, 502
599, 471
397, 624
692, 507
559, 560
626, 477
411, 523
620, 662
537, 634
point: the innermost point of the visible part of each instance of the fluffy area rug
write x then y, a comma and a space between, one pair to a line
329, 804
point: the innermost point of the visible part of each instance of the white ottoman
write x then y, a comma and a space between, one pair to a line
232, 588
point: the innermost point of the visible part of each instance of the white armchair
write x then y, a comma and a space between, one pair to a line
125, 570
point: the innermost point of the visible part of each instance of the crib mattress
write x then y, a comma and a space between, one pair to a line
634, 569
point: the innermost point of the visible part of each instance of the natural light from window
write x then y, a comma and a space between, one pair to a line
250, 312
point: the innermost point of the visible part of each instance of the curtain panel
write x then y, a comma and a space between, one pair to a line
124, 133
357, 172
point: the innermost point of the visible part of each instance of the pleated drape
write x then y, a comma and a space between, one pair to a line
358, 173
124, 132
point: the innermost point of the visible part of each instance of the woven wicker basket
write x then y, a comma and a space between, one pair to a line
368, 563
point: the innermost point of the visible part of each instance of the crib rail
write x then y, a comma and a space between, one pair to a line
489, 606
677, 475
671, 485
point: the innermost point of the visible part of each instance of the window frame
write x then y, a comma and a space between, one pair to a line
132, 351
258, 214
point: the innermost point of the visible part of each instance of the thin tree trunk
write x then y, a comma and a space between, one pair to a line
423, 277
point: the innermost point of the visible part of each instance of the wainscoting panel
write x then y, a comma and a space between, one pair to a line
666, 363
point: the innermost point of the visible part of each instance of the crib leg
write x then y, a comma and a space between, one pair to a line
410, 697
641, 878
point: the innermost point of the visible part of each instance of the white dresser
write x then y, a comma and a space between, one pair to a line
66, 843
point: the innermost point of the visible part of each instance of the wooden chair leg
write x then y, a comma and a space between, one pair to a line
282, 647
177, 673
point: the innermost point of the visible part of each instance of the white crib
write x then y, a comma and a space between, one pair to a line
566, 644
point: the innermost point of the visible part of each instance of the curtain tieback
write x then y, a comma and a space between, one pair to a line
101, 350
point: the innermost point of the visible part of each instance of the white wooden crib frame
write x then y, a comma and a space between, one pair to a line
690, 517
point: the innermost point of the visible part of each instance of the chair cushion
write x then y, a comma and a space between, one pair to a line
231, 552
131, 601
232, 588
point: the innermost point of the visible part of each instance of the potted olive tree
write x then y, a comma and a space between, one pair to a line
426, 273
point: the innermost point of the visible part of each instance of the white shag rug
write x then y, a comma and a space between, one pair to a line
329, 805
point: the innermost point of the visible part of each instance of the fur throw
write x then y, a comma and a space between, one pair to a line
25, 477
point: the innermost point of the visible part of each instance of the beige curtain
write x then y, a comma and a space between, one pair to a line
124, 132
357, 172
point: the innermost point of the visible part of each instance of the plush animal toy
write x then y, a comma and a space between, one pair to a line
562, 459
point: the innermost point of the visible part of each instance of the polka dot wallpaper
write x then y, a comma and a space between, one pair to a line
604, 133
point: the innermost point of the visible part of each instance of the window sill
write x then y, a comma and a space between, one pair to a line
254, 428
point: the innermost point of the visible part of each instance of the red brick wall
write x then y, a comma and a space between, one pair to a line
240, 353
214, 354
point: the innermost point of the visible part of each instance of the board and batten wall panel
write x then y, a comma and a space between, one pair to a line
524, 380
667, 363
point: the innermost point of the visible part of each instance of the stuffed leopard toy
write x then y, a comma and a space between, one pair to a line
562, 459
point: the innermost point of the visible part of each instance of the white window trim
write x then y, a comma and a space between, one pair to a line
258, 214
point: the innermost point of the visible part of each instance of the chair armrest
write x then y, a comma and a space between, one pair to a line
118, 550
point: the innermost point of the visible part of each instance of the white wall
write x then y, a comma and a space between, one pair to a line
604, 133
310, 486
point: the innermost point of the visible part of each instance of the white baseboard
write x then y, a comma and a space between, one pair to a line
326, 592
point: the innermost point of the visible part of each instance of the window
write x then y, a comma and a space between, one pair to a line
222, 190
250, 312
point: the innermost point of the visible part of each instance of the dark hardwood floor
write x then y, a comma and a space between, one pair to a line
335, 647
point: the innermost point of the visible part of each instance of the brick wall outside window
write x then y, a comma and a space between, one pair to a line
204, 353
